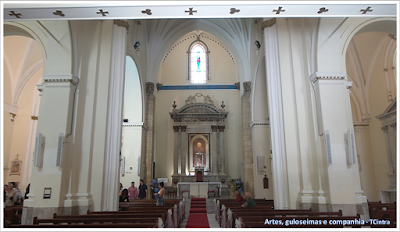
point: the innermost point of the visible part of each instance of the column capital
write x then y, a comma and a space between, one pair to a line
221, 128
385, 129
393, 124
214, 128
176, 128
247, 86
269, 23
149, 88
122, 23
183, 128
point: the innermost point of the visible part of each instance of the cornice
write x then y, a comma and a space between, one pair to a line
60, 78
258, 123
363, 124
327, 76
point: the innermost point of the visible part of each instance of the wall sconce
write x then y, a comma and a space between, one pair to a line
258, 45
136, 46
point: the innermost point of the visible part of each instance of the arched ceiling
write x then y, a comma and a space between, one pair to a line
22, 58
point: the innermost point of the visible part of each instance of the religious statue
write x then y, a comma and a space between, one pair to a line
199, 156
191, 99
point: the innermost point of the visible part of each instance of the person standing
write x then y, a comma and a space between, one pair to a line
142, 190
160, 194
133, 192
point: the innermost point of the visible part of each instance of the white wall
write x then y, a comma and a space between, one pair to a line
260, 133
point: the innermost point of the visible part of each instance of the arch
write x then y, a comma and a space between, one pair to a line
179, 28
132, 97
361, 25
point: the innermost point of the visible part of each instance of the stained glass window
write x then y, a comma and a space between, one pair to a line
198, 64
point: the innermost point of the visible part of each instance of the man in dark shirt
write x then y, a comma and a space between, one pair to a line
239, 197
249, 202
142, 190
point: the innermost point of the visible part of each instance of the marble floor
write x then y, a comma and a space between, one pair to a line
210, 213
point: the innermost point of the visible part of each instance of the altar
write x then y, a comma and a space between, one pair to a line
197, 189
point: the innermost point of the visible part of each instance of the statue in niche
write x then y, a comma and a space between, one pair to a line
199, 156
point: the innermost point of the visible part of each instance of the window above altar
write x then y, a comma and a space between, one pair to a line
198, 61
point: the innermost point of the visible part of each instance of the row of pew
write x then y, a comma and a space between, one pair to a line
383, 211
136, 214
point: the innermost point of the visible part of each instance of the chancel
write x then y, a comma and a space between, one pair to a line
179, 108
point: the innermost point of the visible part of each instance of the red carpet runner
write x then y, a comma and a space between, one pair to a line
198, 214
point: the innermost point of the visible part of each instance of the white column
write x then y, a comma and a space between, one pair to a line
176, 149
184, 149
275, 105
214, 156
114, 117
222, 150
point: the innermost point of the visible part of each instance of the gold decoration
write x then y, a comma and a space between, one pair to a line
269, 23
34, 117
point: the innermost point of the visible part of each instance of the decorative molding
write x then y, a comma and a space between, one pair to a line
221, 128
192, 87
385, 129
12, 116
393, 124
59, 13
122, 23
269, 23
258, 123
34, 117
327, 76
322, 10
149, 88
159, 86
368, 9
279, 10
193, 111
165, 10
214, 128
183, 128
234, 10
190, 11
176, 128
360, 124
237, 85
60, 78
10, 108
247, 86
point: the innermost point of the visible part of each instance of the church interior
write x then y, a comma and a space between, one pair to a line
298, 111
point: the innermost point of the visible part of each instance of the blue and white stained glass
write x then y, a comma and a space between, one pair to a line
198, 74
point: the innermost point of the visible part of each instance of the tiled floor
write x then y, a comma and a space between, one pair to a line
210, 213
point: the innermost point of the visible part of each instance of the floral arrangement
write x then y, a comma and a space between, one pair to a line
239, 185
154, 186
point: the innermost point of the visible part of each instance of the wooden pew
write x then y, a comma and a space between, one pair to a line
94, 220
13, 214
375, 207
111, 225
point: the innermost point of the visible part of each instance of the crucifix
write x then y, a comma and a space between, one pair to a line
102, 12
190, 11
147, 11
369, 9
279, 10
15, 14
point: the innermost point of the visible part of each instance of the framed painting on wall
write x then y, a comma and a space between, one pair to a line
16, 167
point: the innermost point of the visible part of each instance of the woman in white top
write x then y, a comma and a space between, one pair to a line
11, 196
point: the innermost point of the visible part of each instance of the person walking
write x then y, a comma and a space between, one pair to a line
133, 192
